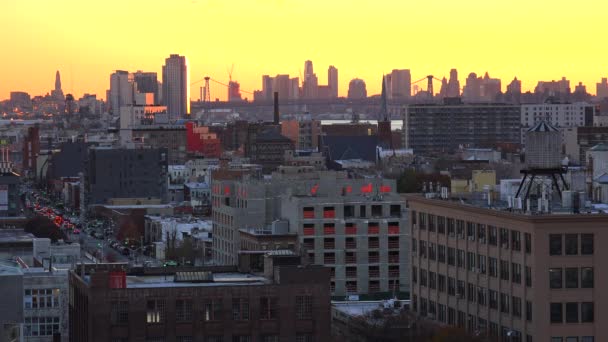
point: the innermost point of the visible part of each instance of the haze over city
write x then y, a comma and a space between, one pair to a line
87, 41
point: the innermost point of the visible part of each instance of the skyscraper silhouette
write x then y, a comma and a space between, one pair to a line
176, 86
332, 80
57, 93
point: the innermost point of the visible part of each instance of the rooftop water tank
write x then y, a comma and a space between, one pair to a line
543, 147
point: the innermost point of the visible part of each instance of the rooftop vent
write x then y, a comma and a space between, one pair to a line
193, 277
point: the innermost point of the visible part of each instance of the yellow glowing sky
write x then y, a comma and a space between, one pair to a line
86, 40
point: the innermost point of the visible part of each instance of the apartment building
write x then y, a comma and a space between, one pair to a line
513, 275
289, 303
354, 226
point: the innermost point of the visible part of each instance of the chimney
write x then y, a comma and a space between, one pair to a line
276, 108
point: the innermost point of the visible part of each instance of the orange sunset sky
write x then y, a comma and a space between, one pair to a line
87, 40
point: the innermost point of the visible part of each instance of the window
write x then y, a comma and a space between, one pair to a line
572, 339
349, 211
213, 309
268, 308
414, 246
460, 229
587, 339
481, 233
516, 306
304, 338
587, 277
377, 212
504, 303
451, 316
471, 294
516, 273
155, 312
556, 313
493, 239
217, 338
441, 253
471, 231
460, 289
481, 296
183, 310
516, 240
493, 267
441, 313
451, 230
414, 274
571, 312
451, 256
504, 270
423, 278
119, 312
555, 244
460, 258
571, 244
587, 312
493, 299
422, 248
441, 224
471, 261
587, 244
481, 263
41, 298
451, 286
304, 307
528, 311
40, 326
241, 338
240, 309
433, 280
528, 242
528, 276
432, 251
269, 338
441, 283
556, 339
504, 238
184, 339
431, 223
555, 278
571, 278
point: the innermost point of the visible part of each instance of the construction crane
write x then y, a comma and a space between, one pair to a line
429, 85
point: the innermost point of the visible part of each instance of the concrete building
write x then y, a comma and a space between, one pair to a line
11, 302
354, 226
512, 274
286, 303
171, 137
122, 90
114, 173
400, 84
438, 129
303, 131
560, 115
268, 148
578, 140
157, 228
601, 89
176, 86
332, 81
147, 82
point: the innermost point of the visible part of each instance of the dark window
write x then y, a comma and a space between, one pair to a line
432, 280
349, 211
471, 231
516, 273
432, 251
414, 274
451, 256
556, 313
471, 294
586, 244
481, 233
451, 286
504, 238
413, 215
441, 253
441, 283
395, 210
431, 223
516, 240
493, 239
377, 212
493, 268
268, 307
304, 307
240, 309
451, 229
572, 312
481, 296
213, 310
528, 242
587, 314
571, 244
571, 278
555, 244
529, 311
460, 289
516, 306
528, 276
504, 270
460, 229
183, 310
414, 245
460, 258
587, 277
555, 278
120, 312
504, 303
441, 224
493, 299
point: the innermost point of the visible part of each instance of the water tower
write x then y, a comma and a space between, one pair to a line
543, 159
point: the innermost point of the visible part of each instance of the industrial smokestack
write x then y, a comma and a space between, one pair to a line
276, 108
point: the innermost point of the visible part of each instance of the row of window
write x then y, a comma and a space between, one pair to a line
351, 242
476, 294
575, 312
373, 286
481, 233
351, 258
349, 211
473, 324
41, 326
41, 298
573, 339
350, 228
472, 262
571, 275
211, 310
570, 244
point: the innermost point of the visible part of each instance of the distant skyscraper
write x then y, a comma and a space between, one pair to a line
399, 84
176, 86
513, 93
481, 89
490, 88
472, 88
282, 85
57, 93
357, 89
332, 81
147, 82
310, 82
122, 90
601, 89
453, 87
558, 90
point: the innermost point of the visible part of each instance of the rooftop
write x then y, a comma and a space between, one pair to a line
169, 280
15, 235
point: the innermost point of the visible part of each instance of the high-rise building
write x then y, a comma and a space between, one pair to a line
122, 90
281, 84
481, 89
490, 88
400, 84
602, 88
472, 89
332, 80
513, 274
57, 93
513, 93
453, 86
147, 82
176, 86
356, 89
310, 82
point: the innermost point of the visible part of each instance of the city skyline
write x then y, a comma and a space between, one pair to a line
370, 39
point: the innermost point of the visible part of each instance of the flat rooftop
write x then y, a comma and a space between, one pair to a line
361, 308
15, 235
218, 279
